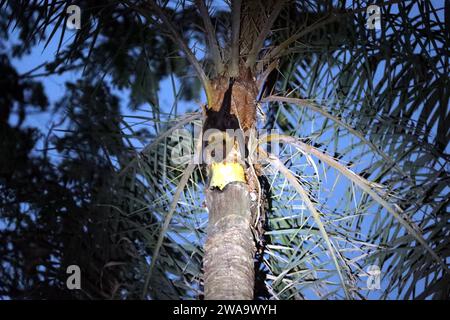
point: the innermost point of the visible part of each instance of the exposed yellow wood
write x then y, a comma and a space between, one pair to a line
225, 173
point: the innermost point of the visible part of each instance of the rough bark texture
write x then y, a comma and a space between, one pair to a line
242, 98
230, 248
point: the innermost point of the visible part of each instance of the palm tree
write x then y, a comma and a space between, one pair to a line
360, 177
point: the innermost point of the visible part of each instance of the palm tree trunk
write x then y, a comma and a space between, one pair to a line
229, 271
230, 248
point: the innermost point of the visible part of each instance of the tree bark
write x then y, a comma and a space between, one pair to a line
229, 272
230, 248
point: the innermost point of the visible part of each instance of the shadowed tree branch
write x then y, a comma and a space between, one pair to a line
211, 36
235, 31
